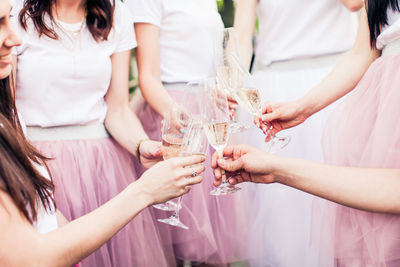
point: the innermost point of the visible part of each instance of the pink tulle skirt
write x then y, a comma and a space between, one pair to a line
88, 173
363, 132
217, 225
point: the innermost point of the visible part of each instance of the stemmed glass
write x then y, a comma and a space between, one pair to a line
225, 47
172, 132
216, 125
248, 96
194, 143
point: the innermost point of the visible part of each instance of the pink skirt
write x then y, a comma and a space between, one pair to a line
217, 225
363, 132
88, 173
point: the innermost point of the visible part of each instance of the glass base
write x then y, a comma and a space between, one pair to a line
235, 127
174, 221
167, 206
224, 189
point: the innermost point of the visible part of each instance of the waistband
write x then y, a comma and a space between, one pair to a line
180, 86
392, 48
70, 132
301, 63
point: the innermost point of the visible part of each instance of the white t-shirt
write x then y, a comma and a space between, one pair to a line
46, 220
291, 29
187, 31
391, 31
63, 82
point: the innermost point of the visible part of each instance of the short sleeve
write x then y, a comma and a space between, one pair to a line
123, 24
146, 11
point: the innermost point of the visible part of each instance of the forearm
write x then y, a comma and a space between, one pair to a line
362, 188
125, 127
155, 94
343, 78
78, 239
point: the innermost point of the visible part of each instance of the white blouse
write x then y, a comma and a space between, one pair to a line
63, 82
291, 29
391, 31
187, 35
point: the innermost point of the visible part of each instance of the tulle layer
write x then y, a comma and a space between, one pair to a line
283, 214
217, 225
363, 132
88, 173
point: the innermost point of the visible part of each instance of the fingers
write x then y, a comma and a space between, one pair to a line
187, 161
192, 171
230, 165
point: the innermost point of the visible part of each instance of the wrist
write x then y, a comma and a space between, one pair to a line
305, 108
138, 146
138, 191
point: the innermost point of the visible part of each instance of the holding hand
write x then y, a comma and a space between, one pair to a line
279, 116
150, 153
244, 164
171, 178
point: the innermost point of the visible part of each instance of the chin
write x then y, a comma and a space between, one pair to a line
5, 71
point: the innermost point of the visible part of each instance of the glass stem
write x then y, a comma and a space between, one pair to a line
221, 155
178, 207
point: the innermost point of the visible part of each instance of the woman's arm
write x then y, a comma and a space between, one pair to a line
244, 23
120, 120
361, 188
148, 60
22, 245
341, 80
353, 5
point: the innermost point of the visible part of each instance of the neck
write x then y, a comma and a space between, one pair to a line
70, 11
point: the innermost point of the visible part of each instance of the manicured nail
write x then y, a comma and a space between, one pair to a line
182, 130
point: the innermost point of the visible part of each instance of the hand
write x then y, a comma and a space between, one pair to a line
244, 164
150, 153
280, 116
171, 178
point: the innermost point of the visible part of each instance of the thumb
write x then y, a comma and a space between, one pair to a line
231, 165
270, 116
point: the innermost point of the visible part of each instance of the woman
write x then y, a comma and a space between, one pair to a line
26, 195
298, 43
175, 46
72, 92
362, 136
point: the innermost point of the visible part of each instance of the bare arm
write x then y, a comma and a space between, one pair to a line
362, 188
120, 120
353, 5
347, 73
148, 60
244, 23
21, 245
340, 81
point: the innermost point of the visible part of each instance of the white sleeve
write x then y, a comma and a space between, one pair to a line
146, 11
123, 24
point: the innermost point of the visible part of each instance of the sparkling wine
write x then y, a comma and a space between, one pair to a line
217, 134
249, 98
171, 147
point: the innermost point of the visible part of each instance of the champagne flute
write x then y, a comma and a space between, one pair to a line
172, 137
216, 125
226, 46
248, 96
194, 143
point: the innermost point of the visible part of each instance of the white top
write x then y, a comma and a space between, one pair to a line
63, 82
187, 30
291, 29
46, 220
391, 31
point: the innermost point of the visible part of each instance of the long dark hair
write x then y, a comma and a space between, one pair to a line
377, 16
99, 17
18, 175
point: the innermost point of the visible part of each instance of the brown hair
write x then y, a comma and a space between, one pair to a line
99, 18
18, 175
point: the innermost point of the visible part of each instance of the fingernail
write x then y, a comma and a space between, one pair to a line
182, 130
258, 125
263, 117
